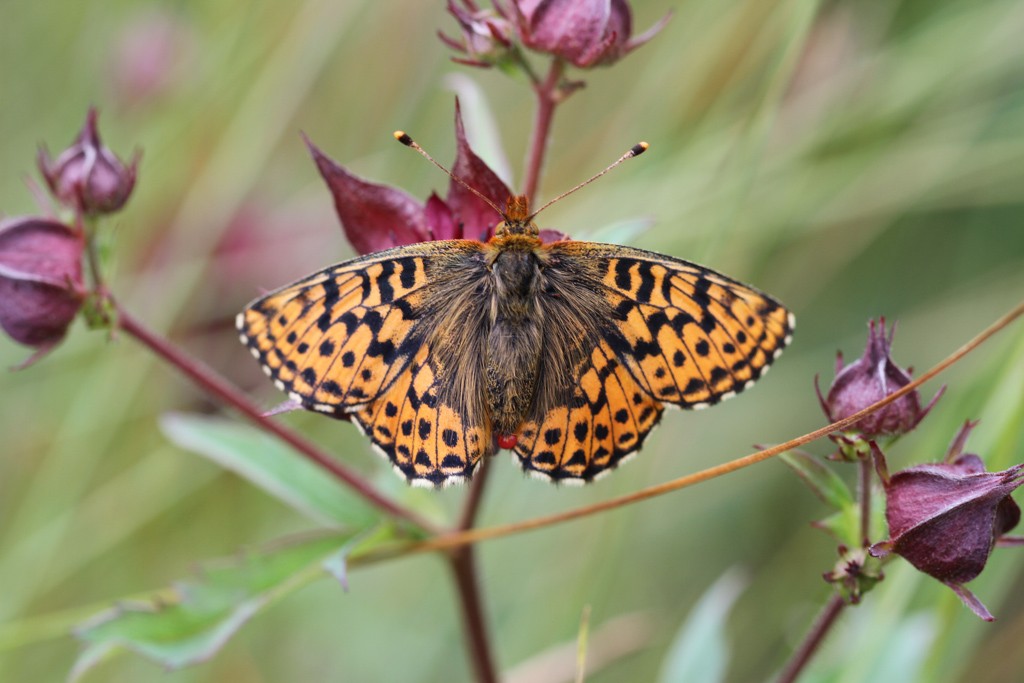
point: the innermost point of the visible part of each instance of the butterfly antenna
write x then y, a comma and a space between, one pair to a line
404, 138
635, 151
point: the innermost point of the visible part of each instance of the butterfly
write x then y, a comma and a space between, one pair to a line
566, 352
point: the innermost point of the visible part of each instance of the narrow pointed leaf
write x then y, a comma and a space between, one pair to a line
825, 483
271, 466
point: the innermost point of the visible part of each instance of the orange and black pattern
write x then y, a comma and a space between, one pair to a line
398, 342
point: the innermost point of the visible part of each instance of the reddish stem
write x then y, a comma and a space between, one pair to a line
221, 389
864, 490
822, 625
547, 99
462, 561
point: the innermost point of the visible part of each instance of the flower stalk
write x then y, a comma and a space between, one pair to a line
814, 638
547, 99
462, 562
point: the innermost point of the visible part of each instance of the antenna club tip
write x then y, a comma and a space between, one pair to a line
403, 137
639, 148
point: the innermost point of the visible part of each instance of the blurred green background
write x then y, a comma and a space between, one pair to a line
853, 158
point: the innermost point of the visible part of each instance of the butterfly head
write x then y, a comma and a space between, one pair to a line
517, 218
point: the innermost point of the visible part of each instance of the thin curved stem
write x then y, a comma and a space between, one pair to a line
89, 225
866, 470
547, 100
463, 565
475, 497
462, 561
813, 640
225, 392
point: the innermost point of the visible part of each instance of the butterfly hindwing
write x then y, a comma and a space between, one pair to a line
428, 441
339, 338
607, 418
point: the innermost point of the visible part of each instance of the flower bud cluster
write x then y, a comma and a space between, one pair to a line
584, 33
42, 287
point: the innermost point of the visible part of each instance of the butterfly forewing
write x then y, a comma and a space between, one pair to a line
354, 341
690, 336
339, 338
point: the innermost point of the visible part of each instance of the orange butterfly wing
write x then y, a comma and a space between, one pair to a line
428, 441
605, 421
678, 333
340, 337
352, 341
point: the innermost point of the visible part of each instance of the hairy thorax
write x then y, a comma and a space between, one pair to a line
514, 344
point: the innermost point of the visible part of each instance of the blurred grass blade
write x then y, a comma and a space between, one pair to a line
622, 232
271, 466
208, 609
582, 641
820, 478
700, 651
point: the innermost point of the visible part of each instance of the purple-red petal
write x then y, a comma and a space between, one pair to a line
476, 218
374, 217
869, 379
547, 236
440, 223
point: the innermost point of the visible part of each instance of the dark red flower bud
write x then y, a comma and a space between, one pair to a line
584, 32
377, 217
869, 379
41, 286
485, 35
945, 518
87, 176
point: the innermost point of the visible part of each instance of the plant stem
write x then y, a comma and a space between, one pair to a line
864, 492
813, 640
462, 561
221, 389
474, 498
89, 225
463, 565
547, 99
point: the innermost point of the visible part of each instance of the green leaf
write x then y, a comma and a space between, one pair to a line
825, 483
844, 525
272, 466
700, 651
207, 610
